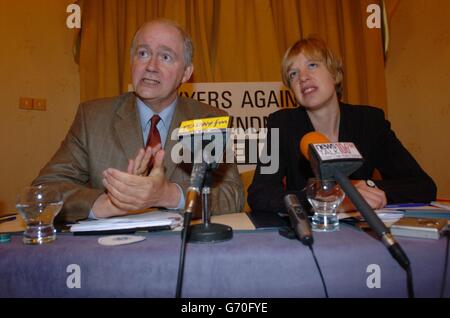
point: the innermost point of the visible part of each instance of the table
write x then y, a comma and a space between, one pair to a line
255, 263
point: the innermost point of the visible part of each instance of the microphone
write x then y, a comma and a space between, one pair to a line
202, 142
195, 185
299, 219
337, 161
328, 158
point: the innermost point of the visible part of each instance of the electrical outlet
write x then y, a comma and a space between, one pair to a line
25, 103
39, 104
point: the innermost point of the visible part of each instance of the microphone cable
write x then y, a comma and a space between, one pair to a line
444, 276
319, 269
290, 234
186, 223
300, 229
409, 281
192, 197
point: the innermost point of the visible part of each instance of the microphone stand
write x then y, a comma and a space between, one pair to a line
207, 232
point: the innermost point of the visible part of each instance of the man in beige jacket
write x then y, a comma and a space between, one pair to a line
100, 164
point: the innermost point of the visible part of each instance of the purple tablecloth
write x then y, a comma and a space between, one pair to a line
252, 264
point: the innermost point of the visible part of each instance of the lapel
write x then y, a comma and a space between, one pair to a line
127, 127
344, 128
181, 114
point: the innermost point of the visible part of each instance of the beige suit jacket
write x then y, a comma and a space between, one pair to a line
106, 133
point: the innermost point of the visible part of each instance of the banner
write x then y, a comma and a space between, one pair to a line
249, 104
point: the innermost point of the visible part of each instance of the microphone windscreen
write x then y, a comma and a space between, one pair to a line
313, 137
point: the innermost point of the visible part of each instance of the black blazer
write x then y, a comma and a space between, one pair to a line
403, 180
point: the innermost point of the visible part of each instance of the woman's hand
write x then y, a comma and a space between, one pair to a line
373, 195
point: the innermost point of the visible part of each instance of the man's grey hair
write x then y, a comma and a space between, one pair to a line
187, 41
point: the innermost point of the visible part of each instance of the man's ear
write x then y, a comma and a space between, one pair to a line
187, 73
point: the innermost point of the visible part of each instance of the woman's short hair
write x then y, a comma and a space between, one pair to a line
315, 48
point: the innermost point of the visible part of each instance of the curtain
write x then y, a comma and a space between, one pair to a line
234, 40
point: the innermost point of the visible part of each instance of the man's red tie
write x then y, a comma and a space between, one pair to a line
153, 137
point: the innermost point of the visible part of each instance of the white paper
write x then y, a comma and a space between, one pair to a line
389, 214
442, 205
148, 219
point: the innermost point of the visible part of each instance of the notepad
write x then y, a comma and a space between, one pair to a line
149, 220
419, 227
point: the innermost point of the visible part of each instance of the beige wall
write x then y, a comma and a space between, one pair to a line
418, 84
35, 61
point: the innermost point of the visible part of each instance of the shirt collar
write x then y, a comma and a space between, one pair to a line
146, 113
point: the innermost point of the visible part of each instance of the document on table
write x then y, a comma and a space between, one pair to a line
417, 211
135, 221
393, 213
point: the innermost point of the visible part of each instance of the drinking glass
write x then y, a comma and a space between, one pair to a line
325, 197
38, 206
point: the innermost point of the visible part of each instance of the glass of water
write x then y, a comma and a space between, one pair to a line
325, 196
38, 206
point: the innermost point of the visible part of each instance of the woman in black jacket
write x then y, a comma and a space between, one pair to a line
314, 75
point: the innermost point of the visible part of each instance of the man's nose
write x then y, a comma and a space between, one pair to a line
152, 64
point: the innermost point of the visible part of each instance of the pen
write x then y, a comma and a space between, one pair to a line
405, 205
